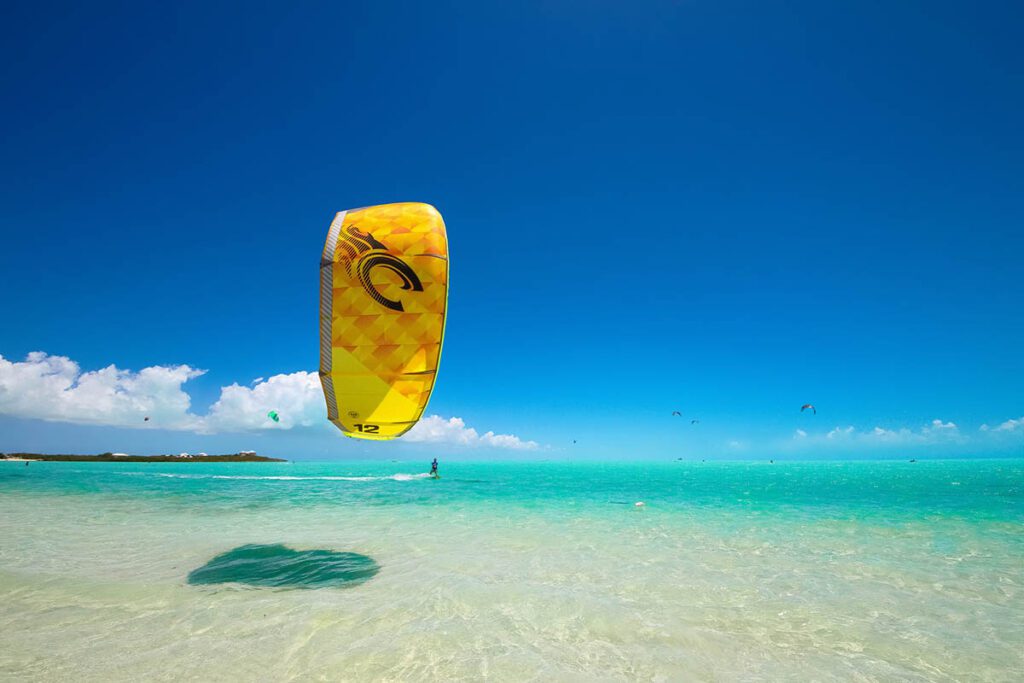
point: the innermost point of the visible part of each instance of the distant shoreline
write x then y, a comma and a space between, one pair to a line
111, 457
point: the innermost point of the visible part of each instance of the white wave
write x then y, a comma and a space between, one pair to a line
393, 477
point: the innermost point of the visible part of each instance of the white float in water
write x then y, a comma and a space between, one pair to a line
639, 504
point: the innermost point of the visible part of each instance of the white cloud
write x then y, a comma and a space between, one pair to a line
940, 426
436, 429
296, 398
54, 388
840, 433
1011, 425
934, 432
939, 431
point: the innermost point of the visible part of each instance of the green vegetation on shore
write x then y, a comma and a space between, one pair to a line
120, 457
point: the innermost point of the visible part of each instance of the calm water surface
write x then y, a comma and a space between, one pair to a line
339, 571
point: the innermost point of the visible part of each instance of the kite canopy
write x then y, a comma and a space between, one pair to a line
808, 405
273, 416
676, 413
383, 298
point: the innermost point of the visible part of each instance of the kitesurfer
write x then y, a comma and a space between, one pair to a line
433, 468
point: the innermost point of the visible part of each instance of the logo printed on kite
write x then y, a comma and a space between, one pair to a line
364, 252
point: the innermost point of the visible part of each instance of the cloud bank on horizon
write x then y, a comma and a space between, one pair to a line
54, 388
935, 432
938, 432
1008, 426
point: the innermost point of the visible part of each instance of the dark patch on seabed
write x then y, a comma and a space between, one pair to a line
279, 566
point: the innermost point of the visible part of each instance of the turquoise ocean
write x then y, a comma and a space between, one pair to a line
872, 571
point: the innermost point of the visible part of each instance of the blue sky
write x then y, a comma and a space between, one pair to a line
728, 209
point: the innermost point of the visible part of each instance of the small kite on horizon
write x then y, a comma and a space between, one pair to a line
808, 405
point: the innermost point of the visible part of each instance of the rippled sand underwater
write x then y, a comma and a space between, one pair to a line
337, 571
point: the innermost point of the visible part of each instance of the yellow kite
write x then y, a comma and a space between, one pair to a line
383, 298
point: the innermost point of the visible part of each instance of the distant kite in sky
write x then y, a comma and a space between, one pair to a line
383, 303
808, 405
695, 422
676, 413
146, 419
273, 416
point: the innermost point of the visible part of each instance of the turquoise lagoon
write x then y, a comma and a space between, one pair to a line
513, 571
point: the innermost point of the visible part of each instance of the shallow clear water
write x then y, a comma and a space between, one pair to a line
731, 571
